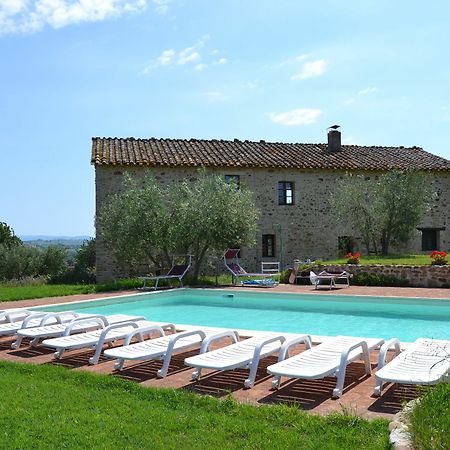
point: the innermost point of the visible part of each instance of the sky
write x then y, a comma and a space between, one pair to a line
280, 71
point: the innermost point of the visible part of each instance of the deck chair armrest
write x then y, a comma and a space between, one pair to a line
140, 330
57, 316
262, 344
27, 320
176, 337
75, 322
15, 316
302, 339
234, 335
346, 351
388, 345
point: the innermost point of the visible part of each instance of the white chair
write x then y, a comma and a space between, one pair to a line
245, 354
104, 335
161, 348
327, 359
12, 326
48, 328
426, 361
14, 314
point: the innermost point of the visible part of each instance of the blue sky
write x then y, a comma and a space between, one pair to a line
276, 70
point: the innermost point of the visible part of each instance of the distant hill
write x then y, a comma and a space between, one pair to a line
26, 238
70, 243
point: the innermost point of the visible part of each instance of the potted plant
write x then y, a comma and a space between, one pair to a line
353, 258
438, 258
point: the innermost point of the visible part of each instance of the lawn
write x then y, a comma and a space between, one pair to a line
51, 407
10, 292
430, 420
413, 260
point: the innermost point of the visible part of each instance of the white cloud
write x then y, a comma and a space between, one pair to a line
311, 69
24, 16
296, 117
188, 55
368, 90
200, 67
161, 6
166, 57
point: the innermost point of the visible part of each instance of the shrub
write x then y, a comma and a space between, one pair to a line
374, 279
18, 262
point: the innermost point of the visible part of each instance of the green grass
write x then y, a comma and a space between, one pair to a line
51, 407
10, 292
413, 260
430, 419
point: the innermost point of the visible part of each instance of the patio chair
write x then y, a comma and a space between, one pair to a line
327, 359
161, 348
177, 271
34, 320
104, 335
231, 261
426, 361
329, 277
244, 354
86, 322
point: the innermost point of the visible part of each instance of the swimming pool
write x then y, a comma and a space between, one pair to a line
325, 315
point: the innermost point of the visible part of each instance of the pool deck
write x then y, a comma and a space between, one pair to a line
313, 396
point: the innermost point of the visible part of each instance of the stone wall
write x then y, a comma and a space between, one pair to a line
306, 229
417, 276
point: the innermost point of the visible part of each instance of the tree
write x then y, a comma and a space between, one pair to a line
148, 223
7, 236
385, 209
85, 257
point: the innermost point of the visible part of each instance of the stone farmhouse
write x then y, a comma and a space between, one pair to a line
291, 185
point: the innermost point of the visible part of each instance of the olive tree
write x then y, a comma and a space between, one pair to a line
384, 209
147, 223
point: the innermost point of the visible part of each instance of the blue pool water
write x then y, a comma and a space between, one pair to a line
404, 318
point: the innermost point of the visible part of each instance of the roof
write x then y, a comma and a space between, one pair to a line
236, 153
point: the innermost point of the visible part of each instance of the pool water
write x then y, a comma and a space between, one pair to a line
326, 315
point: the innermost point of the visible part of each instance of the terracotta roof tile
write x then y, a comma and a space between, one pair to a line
219, 153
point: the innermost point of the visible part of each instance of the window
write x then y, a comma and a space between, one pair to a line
232, 179
268, 245
285, 193
430, 239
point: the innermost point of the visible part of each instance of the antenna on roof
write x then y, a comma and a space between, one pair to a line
334, 127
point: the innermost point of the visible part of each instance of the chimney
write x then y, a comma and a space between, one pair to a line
334, 141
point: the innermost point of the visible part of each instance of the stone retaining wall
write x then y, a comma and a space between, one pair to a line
417, 276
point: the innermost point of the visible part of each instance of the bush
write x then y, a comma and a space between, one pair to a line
374, 279
430, 419
18, 262
83, 270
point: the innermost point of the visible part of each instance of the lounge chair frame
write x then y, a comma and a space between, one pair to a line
330, 277
348, 354
176, 272
231, 261
244, 358
420, 355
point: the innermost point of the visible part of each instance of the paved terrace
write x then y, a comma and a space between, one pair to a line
313, 396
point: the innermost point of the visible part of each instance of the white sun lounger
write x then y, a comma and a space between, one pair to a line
244, 354
426, 361
328, 359
14, 314
79, 324
161, 348
36, 319
105, 335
